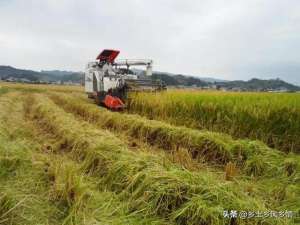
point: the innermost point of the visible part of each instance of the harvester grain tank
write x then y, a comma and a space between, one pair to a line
108, 80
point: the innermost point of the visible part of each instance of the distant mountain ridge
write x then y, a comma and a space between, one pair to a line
239, 85
9, 72
177, 80
166, 74
57, 72
250, 85
260, 85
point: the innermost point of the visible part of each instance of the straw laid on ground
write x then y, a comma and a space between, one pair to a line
149, 183
23, 192
53, 190
85, 203
38, 187
213, 147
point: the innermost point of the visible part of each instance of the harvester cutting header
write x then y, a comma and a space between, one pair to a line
108, 80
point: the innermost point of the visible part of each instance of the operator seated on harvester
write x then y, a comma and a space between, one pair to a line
107, 81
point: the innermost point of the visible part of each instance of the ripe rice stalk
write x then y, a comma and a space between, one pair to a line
67, 185
183, 158
85, 203
270, 117
230, 171
6, 208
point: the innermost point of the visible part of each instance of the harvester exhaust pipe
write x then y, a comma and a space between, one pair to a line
149, 69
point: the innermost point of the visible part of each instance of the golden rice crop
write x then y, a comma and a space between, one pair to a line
273, 118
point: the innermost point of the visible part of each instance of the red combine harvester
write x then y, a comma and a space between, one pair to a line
108, 80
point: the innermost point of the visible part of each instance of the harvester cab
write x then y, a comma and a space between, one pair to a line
108, 80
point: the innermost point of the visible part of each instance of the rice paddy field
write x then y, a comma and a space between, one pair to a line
176, 157
273, 118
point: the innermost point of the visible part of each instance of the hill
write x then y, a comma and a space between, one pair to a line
11, 73
260, 85
251, 85
179, 80
65, 76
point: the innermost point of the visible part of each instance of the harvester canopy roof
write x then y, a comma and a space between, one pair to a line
108, 55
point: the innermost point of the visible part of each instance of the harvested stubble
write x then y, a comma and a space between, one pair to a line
213, 147
273, 118
151, 184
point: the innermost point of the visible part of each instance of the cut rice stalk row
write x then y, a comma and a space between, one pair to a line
85, 203
213, 147
23, 192
148, 182
37, 187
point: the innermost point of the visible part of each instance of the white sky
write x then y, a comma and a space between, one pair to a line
229, 39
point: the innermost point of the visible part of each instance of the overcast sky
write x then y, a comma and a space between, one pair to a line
230, 39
